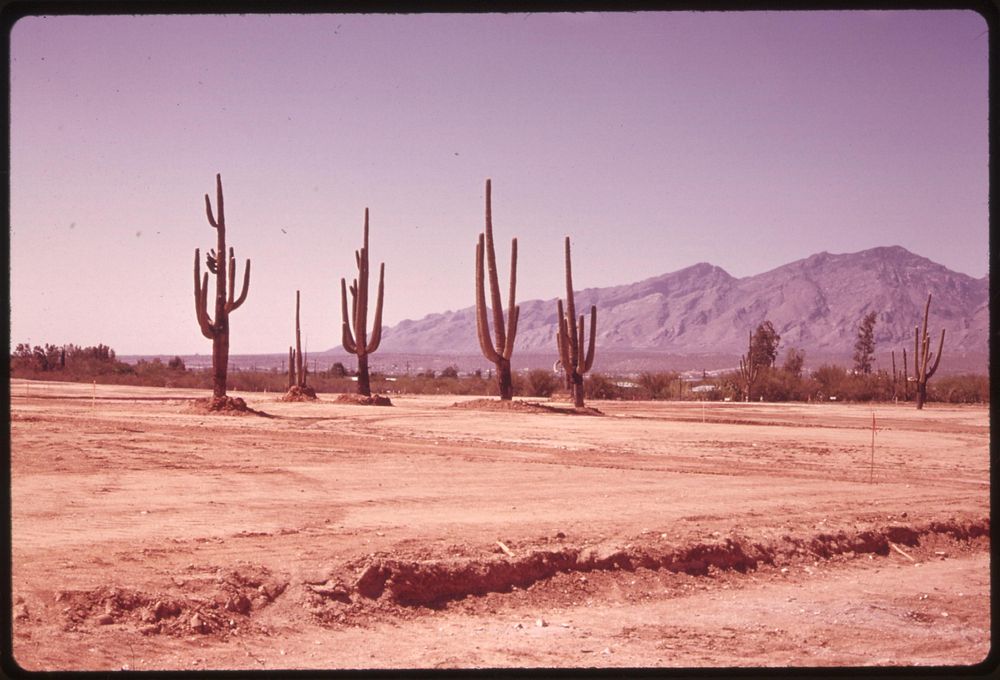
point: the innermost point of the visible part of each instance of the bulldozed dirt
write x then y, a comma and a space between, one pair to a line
150, 535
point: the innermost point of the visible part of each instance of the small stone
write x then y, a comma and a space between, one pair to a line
196, 623
541, 623
784, 570
518, 626
20, 612
105, 619
560, 535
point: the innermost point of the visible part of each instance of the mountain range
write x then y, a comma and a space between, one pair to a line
814, 303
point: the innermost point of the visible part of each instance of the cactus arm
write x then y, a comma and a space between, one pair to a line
376, 336
916, 353
348, 338
482, 320
208, 211
201, 298
937, 357
246, 288
589, 361
507, 349
579, 346
491, 266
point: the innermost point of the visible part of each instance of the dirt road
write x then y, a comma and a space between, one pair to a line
148, 535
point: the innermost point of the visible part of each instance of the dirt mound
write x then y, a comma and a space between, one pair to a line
296, 393
362, 400
217, 605
433, 583
523, 407
229, 406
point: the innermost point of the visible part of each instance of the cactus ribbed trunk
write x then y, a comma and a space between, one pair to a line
216, 328
749, 369
358, 342
499, 348
922, 356
570, 338
300, 373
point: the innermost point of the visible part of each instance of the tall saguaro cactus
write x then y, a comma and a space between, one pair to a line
922, 356
296, 360
358, 342
500, 351
749, 369
570, 336
216, 328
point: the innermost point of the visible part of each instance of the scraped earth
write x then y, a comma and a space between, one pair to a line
150, 535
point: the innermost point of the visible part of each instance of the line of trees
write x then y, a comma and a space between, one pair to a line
784, 381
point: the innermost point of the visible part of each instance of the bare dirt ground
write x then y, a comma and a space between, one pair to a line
148, 535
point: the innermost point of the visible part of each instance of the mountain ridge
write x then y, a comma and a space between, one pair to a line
815, 304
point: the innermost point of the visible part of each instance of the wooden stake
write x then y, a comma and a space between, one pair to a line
900, 551
871, 473
505, 549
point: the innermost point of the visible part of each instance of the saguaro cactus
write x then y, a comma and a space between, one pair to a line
922, 356
358, 342
296, 360
217, 329
570, 335
500, 352
749, 369
900, 377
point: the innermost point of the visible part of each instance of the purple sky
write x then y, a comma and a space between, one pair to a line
655, 140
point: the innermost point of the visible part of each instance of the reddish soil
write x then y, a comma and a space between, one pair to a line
297, 393
147, 535
363, 400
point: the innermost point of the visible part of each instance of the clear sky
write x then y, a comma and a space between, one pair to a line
655, 140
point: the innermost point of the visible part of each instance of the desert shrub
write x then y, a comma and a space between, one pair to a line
781, 385
660, 385
830, 381
960, 389
539, 382
600, 386
449, 372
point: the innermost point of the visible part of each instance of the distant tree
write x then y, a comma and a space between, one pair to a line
449, 372
176, 364
764, 345
794, 359
338, 370
864, 347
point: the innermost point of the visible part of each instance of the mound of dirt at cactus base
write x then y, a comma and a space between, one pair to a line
524, 407
299, 393
229, 406
362, 400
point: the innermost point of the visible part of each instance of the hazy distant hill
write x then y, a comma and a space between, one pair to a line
815, 304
